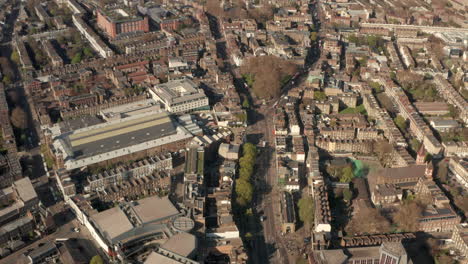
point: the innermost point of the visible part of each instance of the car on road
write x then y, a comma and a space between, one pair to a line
262, 218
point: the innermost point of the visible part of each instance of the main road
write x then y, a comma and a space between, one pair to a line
268, 247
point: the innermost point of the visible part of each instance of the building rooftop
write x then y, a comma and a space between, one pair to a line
288, 213
77, 123
183, 244
25, 189
414, 171
178, 91
395, 248
120, 14
112, 222
159, 14
333, 256
39, 252
116, 138
441, 123
155, 258
10, 227
161, 255
153, 209
100, 139
433, 212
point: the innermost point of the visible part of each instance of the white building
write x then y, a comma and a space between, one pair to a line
93, 38
459, 168
180, 96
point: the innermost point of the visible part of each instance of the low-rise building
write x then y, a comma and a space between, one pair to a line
165, 19
54, 57
432, 108
387, 252
122, 173
452, 148
459, 168
288, 214
132, 222
438, 219
94, 39
134, 188
180, 96
444, 125
349, 145
460, 239
18, 200
386, 185
338, 132
20, 227
367, 133
131, 138
386, 194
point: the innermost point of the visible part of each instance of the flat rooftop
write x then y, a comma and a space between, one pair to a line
178, 91
183, 244
112, 222
288, 208
25, 189
121, 14
154, 209
100, 139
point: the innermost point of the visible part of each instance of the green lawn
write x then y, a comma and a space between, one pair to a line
350, 110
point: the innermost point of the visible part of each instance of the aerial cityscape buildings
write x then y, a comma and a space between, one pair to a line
241, 131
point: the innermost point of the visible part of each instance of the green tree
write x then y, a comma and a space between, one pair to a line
313, 27
347, 174
313, 36
244, 188
15, 57
249, 79
376, 86
77, 58
244, 191
400, 122
347, 195
242, 117
453, 112
428, 157
306, 210
320, 95
415, 144
96, 260
87, 52
245, 172
249, 150
6, 80
353, 39
245, 103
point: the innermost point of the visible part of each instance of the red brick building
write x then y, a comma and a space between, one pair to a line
114, 25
